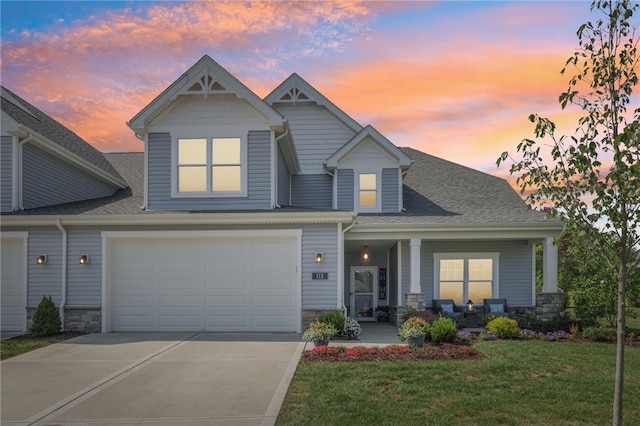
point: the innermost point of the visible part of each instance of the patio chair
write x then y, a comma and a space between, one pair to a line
446, 307
497, 307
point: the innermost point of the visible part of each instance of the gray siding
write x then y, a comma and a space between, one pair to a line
390, 189
315, 191
48, 181
318, 134
514, 266
320, 293
6, 174
259, 177
345, 189
44, 280
284, 181
84, 282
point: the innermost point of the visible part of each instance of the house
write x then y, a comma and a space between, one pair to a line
250, 214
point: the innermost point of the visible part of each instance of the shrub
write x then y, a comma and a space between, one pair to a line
599, 334
504, 328
46, 319
412, 328
411, 312
444, 330
319, 332
334, 318
351, 328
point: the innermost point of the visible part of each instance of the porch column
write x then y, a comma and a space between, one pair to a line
415, 265
549, 266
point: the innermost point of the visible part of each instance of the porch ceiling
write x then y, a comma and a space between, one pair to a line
373, 245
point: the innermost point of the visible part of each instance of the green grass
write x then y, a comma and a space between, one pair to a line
18, 346
520, 383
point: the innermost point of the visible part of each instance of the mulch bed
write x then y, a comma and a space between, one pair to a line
429, 352
63, 335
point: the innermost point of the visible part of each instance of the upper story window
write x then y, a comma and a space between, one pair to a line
211, 166
367, 192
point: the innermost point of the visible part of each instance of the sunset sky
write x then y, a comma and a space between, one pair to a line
454, 79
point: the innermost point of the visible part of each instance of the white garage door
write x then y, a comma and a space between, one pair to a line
219, 283
12, 279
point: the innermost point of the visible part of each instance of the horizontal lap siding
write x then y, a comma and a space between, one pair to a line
259, 177
44, 280
315, 191
390, 188
319, 293
345, 189
316, 134
6, 174
49, 181
284, 181
514, 266
84, 282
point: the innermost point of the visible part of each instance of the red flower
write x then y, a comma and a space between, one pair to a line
397, 349
359, 350
325, 350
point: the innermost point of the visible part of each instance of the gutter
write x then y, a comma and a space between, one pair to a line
63, 298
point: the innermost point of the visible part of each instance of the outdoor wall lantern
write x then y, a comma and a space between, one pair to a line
41, 259
319, 257
365, 255
470, 307
83, 259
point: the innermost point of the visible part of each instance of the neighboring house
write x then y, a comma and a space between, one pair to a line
245, 214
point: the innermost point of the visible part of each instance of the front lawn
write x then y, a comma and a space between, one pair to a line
519, 383
26, 343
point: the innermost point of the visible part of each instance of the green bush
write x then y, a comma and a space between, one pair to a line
599, 334
444, 330
334, 318
504, 328
46, 319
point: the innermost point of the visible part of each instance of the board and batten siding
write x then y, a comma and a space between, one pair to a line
44, 280
284, 181
319, 293
6, 173
318, 134
84, 282
314, 191
345, 189
48, 181
390, 191
258, 177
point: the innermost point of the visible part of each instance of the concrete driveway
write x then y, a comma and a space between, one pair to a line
152, 378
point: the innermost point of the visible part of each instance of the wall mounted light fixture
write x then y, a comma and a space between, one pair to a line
41, 259
83, 259
365, 255
319, 257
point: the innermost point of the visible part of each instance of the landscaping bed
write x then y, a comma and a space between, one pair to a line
26, 342
430, 352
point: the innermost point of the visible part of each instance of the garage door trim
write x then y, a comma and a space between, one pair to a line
23, 237
109, 236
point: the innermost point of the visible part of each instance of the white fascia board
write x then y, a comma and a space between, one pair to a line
53, 148
182, 219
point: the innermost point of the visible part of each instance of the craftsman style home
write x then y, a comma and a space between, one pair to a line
250, 214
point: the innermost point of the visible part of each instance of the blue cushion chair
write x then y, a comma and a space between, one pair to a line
446, 307
497, 307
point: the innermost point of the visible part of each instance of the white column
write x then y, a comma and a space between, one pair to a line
415, 265
549, 266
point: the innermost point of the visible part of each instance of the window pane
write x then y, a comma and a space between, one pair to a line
226, 150
192, 179
367, 198
451, 269
368, 181
364, 306
479, 290
226, 178
480, 269
451, 290
192, 151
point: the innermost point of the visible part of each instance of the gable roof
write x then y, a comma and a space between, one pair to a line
205, 77
55, 138
296, 90
370, 133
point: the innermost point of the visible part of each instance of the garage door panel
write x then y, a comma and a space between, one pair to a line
216, 284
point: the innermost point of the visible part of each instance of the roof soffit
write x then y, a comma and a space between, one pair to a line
205, 78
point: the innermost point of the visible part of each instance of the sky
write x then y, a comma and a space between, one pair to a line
455, 79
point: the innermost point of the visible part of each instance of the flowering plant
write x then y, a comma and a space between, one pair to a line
465, 334
319, 332
412, 328
397, 349
381, 313
325, 350
360, 350
351, 328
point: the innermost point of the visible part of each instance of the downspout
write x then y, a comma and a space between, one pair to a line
146, 170
18, 185
275, 162
63, 298
341, 266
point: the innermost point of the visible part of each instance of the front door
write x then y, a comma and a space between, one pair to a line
364, 286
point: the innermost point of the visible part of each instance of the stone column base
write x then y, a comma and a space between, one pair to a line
415, 300
549, 306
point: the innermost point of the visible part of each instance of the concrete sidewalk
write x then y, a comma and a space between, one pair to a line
152, 378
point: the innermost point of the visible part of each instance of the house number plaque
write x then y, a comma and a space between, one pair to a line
319, 275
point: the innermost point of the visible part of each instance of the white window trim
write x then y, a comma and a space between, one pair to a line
244, 167
356, 191
494, 256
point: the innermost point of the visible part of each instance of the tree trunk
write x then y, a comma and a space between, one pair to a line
617, 392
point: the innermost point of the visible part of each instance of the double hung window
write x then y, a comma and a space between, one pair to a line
463, 277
